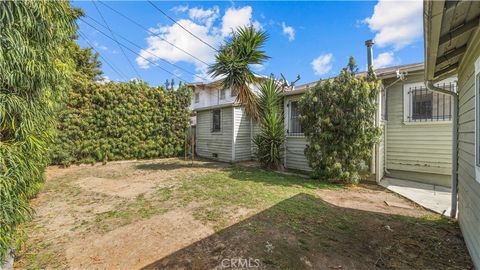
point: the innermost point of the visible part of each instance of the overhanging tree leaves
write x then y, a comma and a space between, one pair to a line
338, 116
33, 77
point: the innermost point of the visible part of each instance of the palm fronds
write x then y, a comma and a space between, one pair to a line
233, 63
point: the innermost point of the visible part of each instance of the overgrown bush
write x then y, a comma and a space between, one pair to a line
34, 70
116, 121
269, 142
337, 116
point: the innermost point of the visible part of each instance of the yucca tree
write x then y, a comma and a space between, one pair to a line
233, 62
33, 72
269, 141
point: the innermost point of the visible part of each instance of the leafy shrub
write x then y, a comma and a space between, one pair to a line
338, 120
270, 140
33, 77
116, 121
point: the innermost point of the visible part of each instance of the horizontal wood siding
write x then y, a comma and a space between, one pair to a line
468, 187
419, 148
255, 131
209, 142
242, 135
296, 158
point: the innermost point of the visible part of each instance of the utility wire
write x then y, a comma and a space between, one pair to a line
120, 74
140, 47
153, 63
115, 39
152, 33
173, 20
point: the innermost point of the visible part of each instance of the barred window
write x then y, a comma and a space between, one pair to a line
216, 120
424, 105
222, 93
197, 97
294, 129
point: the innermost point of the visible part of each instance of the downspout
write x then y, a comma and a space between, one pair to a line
430, 86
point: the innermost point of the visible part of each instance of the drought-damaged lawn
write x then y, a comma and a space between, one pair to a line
174, 214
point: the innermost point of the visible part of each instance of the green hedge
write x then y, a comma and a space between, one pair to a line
117, 121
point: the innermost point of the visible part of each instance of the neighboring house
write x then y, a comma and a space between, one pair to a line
452, 46
223, 130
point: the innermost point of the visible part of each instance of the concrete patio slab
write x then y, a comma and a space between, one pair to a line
433, 197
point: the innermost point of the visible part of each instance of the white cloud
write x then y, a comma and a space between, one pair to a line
322, 64
396, 23
206, 16
288, 31
205, 24
180, 9
259, 67
235, 18
384, 59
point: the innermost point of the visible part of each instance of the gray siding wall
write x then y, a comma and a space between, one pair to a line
242, 133
294, 145
420, 152
295, 155
255, 131
209, 142
468, 187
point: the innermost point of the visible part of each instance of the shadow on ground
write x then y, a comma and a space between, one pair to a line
305, 232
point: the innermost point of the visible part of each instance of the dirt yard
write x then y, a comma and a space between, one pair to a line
171, 214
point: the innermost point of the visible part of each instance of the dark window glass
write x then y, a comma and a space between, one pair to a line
295, 127
216, 120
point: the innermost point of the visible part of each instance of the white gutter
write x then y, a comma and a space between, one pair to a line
430, 86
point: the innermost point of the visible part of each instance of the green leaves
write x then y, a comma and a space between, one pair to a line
33, 80
270, 140
338, 119
233, 62
116, 121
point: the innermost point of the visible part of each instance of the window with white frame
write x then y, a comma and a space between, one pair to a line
197, 97
424, 105
294, 126
222, 94
477, 120
216, 120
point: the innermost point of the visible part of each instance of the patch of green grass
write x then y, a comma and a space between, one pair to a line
249, 188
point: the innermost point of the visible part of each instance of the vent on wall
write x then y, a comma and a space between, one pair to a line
215, 155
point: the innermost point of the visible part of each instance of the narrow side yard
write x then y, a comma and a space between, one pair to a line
170, 213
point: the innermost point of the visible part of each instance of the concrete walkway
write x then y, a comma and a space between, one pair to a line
432, 197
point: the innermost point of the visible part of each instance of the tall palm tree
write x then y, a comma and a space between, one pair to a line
233, 61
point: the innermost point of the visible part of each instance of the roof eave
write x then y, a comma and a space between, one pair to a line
432, 22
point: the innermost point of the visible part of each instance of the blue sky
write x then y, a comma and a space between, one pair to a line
313, 39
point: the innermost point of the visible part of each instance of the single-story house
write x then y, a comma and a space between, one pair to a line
417, 124
452, 47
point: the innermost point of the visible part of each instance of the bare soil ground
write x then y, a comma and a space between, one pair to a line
172, 214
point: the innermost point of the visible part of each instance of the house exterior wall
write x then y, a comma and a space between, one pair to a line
242, 135
220, 143
210, 97
420, 151
468, 185
294, 155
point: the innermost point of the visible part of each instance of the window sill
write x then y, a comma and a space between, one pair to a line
216, 132
427, 123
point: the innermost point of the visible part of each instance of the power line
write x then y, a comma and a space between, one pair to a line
103, 58
139, 47
115, 39
153, 63
173, 20
152, 33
